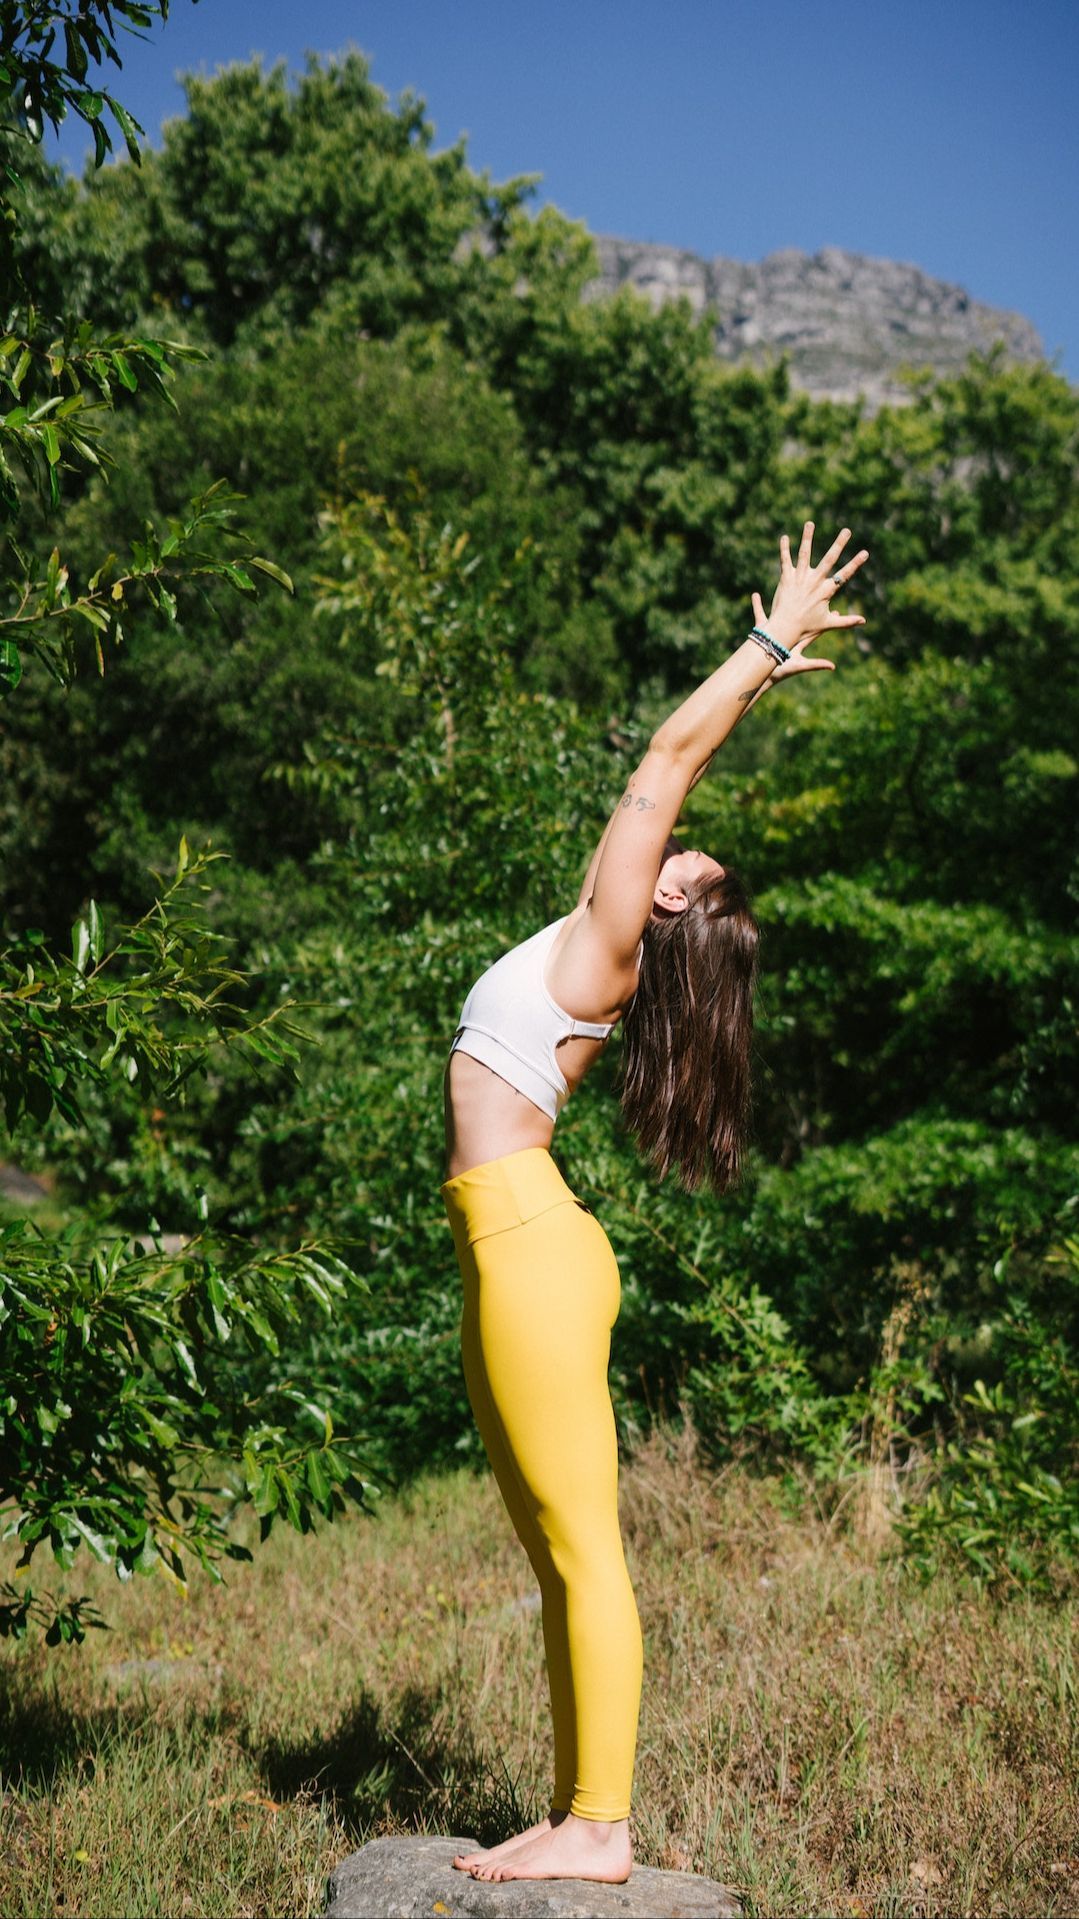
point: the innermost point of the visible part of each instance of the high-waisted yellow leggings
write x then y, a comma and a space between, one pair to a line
541, 1294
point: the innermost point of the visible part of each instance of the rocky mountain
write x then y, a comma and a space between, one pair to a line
848, 323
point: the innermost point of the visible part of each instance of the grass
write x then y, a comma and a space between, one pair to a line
818, 1730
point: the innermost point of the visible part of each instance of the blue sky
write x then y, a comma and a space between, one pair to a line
942, 132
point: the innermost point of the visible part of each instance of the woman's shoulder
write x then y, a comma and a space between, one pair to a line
581, 973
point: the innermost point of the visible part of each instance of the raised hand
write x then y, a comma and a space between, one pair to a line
801, 605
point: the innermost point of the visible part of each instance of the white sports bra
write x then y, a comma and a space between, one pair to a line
510, 1023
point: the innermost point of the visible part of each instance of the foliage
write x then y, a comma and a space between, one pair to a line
270, 199
184, 740
522, 523
109, 1435
818, 1728
150, 1006
1005, 1497
58, 374
50, 381
34, 87
463, 733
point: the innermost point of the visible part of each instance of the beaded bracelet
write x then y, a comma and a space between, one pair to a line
764, 639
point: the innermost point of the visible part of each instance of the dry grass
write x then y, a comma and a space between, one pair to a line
817, 1730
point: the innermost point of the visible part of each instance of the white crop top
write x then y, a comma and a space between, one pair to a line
510, 1023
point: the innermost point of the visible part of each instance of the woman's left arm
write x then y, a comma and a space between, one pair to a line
618, 886
747, 698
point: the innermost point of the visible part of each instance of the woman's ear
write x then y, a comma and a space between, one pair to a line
668, 897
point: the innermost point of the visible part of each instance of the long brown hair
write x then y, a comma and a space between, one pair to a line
686, 1036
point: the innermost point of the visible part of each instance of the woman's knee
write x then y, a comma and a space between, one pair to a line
586, 1556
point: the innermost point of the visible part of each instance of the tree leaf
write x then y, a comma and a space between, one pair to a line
124, 371
102, 1548
275, 572
76, 51
187, 1364
317, 1480
95, 616
128, 126
10, 667
80, 946
96, 932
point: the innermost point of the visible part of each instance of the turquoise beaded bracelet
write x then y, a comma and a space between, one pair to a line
764, 638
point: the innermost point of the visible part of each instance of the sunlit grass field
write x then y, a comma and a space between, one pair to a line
819, 1731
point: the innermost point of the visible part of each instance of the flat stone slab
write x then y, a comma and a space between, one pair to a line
162, 1671
414, 1878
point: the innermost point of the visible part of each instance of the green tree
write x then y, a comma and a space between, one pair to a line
61, 378
271, 198
107, 1434
527, 521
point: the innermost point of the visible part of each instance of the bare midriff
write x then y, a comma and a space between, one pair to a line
486, 1117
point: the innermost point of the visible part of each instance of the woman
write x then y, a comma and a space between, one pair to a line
665, 937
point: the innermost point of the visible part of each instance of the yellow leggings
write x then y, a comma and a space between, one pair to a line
541, 1294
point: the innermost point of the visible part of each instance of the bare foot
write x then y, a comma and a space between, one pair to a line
466, 1860
575, 1849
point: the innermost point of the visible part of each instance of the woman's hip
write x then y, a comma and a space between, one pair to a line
528, 1247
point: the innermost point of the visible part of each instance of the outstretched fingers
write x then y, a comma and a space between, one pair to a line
802, 605
825, 565
834, 551
850, 567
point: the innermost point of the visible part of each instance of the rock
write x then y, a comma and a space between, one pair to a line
848, 322
156, 1242
162, 1671
528, 1602
21, 1189
415, 1879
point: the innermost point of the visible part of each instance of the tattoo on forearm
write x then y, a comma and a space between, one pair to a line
642, 805
749, 694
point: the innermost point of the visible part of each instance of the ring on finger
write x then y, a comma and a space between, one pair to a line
837, 582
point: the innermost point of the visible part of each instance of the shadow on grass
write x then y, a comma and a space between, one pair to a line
407, 1769
401, 1770
44, 1737
40, 1737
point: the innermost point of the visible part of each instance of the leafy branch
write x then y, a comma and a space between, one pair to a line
43, 435
114, 1008
119, 1427
34, 87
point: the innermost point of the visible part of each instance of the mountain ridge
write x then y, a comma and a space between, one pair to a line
850, 323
